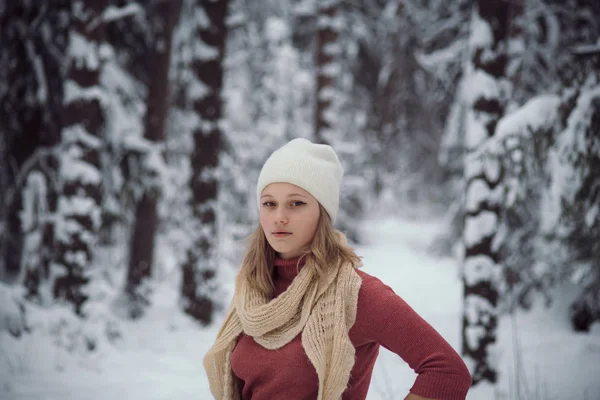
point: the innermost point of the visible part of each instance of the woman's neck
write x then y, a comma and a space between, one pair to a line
286, 269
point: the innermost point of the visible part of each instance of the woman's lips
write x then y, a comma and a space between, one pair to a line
281, 234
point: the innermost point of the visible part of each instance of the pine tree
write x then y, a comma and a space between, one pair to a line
328, 70
575, 191
486, 84
141, 252
83, 121
34, 41
204, 94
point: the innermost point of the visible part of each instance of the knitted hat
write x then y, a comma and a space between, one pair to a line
313, 167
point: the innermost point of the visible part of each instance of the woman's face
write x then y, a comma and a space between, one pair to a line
288, 216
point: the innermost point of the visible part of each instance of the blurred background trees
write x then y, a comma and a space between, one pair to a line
130, 130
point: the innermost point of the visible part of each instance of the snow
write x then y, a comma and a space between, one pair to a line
197, 90
335, 23
83, 52
333, 49
304, 8
539, 113
74, 169
587, 49
478, 192
479, 268
78, 206
203, 51
38, 66
439, 59
276, 30
480, 226
475, 131
481, 36
480, 84
113, 13
573, 142
78, 134
578, 120
74, 92
11, 317
34, 201
160, 355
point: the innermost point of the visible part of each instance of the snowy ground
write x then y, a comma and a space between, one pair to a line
161, 356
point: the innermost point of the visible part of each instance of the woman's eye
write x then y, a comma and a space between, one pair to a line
298, 203
268, 203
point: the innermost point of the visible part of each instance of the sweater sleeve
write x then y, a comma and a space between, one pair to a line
384, 317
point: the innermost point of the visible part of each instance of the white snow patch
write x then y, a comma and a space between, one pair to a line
480, 226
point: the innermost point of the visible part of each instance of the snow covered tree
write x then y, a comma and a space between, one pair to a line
34, 40
327, 69
538, 254
164, 16
205, 60
522, 144
83, 116
573, 205
337, 119
125, 78
487, 88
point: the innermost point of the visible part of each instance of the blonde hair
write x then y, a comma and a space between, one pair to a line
328, 249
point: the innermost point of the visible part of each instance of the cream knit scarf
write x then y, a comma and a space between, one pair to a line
323, 311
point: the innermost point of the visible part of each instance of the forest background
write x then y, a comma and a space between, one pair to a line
130, 126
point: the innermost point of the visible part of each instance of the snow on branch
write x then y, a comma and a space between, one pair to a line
78, 134
573, 144
481, 36
574, 139
204, 52
335, 23
515, 134
480, 226
35, 161
74, 92
305, 8
538, 114
37, 63
439, 59
35, 203
114, 13
82, 51
587, 49
73, 169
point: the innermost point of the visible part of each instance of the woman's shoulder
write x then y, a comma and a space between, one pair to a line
376, 308
370, 283
374, 293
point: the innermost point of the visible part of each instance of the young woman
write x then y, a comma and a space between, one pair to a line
304, 322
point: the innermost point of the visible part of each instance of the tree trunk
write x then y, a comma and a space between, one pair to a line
79, 199
141, 250
327, 68
486, 81
198, 271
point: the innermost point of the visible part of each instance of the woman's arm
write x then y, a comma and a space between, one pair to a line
384, 317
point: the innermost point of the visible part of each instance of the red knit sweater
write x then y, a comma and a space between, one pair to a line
382, 318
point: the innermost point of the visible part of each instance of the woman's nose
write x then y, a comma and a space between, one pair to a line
281, 217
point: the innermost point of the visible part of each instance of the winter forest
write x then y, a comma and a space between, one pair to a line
132, 134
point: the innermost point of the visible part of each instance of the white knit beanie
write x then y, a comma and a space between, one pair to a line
313, 167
